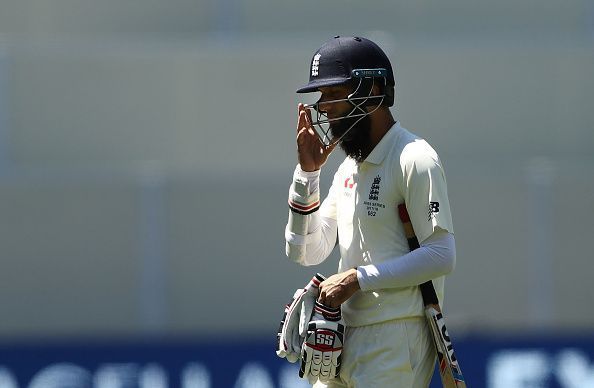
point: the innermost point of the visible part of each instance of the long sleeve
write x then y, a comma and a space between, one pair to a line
434, 258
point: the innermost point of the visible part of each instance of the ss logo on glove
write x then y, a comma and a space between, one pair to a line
321, 353
325, 338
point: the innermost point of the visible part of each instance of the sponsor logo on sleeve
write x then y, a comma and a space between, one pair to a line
433, 210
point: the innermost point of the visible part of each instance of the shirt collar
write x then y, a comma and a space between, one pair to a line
382, 148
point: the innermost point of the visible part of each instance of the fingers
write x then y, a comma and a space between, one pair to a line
305, 127
302, 121
306, 133
312, 153
334, 291
328, 299
307, 116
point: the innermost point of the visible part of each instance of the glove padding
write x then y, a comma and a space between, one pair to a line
321, 352
293, 326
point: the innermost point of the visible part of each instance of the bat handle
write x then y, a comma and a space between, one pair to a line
429, 295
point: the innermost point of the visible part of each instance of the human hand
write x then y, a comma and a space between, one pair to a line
335, 290
311, 153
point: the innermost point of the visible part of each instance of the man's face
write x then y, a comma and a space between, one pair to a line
357, 141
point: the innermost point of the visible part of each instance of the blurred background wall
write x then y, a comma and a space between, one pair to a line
146, 148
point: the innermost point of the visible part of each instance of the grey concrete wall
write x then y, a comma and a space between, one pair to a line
143, 187
182, 17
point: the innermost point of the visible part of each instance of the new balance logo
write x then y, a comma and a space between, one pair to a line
433, 208
315, 65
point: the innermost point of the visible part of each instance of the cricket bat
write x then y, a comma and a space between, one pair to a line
449, 369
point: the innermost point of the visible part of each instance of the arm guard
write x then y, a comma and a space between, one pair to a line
304, 199
304, 196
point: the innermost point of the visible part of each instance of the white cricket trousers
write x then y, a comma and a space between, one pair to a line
397, 354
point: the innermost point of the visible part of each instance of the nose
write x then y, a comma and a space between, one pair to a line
324, 107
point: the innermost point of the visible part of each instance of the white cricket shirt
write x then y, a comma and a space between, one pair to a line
363, 199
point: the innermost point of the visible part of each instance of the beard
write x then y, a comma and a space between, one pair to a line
357, 142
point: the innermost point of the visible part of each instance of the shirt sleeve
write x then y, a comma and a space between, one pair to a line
434, 258
425, 190
328, 207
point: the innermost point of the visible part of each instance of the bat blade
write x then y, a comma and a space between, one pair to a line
449, 370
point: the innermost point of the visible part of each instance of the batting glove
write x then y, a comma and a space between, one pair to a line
297, 314
321, 352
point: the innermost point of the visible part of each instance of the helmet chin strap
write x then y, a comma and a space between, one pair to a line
322, 123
